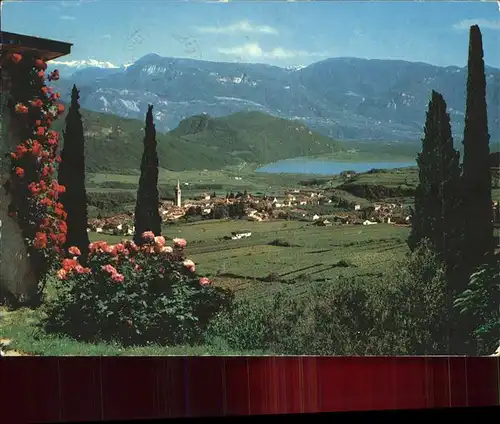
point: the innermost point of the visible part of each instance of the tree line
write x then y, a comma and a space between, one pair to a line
72, 175
453, 202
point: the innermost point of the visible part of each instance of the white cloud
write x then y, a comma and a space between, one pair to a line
254, 51
106, 36
67, 18
239, 27
483, 23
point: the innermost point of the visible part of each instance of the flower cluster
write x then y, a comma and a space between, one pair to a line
35, 107
110, 258
134, 294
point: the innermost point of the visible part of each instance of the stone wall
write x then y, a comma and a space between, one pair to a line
17, 279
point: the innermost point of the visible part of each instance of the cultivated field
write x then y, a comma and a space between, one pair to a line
196, 182
303, 254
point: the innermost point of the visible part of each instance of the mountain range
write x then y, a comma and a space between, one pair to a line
342, 98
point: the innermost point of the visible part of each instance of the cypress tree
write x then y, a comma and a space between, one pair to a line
147, 215
71, 174
476, 176
436, 215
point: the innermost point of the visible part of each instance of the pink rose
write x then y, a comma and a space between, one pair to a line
166, 249
180, 242
160, 241
148, 235
204, 281
117, 277
189, 264
110, 269
74, 251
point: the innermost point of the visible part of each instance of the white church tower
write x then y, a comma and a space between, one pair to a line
178, 199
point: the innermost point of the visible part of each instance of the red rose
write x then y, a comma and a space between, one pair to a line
40, 64
35, 150
40, 241
20, 108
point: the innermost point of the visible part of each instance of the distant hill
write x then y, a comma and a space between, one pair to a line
114, 144
343, 98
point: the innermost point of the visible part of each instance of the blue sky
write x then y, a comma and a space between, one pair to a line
279, 33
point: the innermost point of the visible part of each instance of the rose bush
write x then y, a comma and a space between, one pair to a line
34, 190
134, 295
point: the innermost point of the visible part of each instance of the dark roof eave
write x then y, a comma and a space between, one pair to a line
51, 48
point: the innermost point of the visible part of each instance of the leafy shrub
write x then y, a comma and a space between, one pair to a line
122, 185
414, 305
112, 201
328, 320
402, 312
134, 295
343, 264
482, 300
280, 243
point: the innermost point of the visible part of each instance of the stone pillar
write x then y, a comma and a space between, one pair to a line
18, 282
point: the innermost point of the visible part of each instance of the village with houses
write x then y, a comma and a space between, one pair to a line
295, 204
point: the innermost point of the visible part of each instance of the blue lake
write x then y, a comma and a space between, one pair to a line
326, 167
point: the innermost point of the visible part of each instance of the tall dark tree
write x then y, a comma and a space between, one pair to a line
436, 215
476, 176
147, 215
71, 174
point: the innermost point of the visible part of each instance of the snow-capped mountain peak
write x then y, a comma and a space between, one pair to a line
296, 67
89, 63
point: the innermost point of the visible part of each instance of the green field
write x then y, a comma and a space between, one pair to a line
198, 181
314, 253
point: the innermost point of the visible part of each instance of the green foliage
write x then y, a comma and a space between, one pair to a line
481, 300
419, 302
147, 216
436, 215
476, 176
376, 192
133, 296
110, 202
71, 174
347, 316
279, 242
